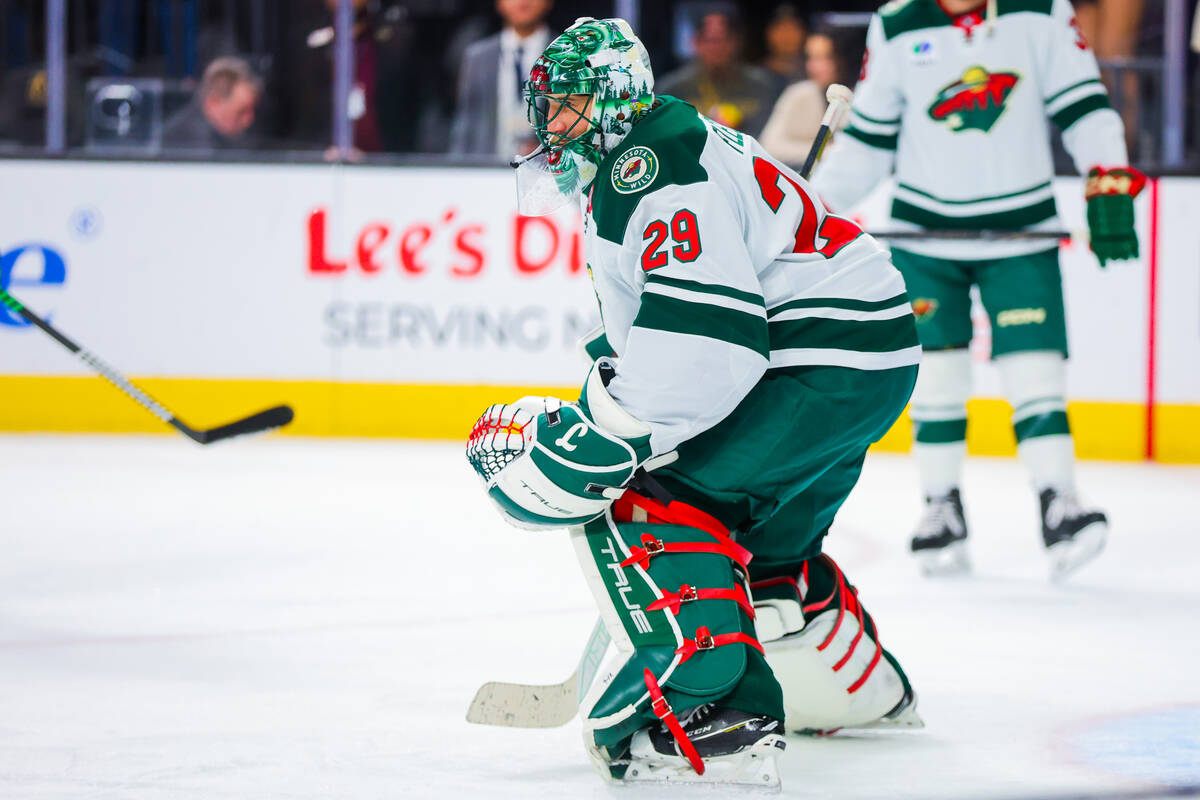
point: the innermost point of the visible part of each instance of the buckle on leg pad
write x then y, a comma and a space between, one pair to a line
689, 594
706, 640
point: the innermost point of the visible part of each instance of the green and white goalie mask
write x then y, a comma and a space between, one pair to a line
582, 98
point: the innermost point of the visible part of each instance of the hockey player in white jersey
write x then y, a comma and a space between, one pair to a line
954, 99
753, 347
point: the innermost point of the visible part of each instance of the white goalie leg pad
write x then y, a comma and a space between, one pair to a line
822, 671
940, 395
824, 689
1035, 384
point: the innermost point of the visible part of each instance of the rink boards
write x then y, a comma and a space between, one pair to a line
401, 301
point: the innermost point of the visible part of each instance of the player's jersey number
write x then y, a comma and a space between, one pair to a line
837, 232
684, 230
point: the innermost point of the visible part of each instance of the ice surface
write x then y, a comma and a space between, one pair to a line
285, 618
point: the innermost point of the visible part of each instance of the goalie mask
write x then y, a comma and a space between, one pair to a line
590, 85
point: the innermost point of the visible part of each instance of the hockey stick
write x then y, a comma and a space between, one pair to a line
839, 98
520, 705
981, 235
255, 423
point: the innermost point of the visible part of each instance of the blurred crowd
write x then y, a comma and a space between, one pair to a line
223, 77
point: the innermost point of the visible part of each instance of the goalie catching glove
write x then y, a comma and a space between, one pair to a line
547, 463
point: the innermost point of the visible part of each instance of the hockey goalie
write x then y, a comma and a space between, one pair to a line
753, 347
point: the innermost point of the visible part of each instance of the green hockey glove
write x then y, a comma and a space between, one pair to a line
1110, 194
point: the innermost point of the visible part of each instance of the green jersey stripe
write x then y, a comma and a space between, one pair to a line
1061, 92
875, 140
707, 288
1005, 220
858, 113
672, 315
840, 302
1079, 109
969, 201
873, 336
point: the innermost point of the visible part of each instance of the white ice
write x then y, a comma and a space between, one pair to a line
286, 618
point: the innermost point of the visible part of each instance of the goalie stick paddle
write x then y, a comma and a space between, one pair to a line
520, 705
255, 423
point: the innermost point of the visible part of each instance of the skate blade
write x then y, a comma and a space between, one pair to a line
755, 768
1068, 556
945, 561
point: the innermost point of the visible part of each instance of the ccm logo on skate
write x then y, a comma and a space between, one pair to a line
38, 264
623, 588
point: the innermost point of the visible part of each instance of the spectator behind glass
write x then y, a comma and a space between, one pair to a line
793, 125
490, 118
784, 38
378, 73
1112, 28
1196, 30
221, 112
717, 82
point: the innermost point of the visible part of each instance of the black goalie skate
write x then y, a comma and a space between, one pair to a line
940, 540
1072, 534
736, 747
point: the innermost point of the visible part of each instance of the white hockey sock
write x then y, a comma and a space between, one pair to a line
939, 413
1035, 383
1050, 461
939, 466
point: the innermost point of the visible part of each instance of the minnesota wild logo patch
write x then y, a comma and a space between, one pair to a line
636, 169
975, 101
924, 308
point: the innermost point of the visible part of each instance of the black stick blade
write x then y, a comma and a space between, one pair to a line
275, 417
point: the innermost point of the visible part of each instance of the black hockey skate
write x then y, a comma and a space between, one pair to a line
940, 541
736, 747
1072, 534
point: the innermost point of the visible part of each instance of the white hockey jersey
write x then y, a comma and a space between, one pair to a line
957, 108
713, 263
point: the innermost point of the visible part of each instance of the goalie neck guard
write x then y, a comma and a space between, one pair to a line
604, 61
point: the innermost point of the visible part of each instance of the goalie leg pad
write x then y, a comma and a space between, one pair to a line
671, 588
825, 651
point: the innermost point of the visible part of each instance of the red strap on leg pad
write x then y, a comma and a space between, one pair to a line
652, 547
688, 594
848, 603
662, 710
705, 640
677, 513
